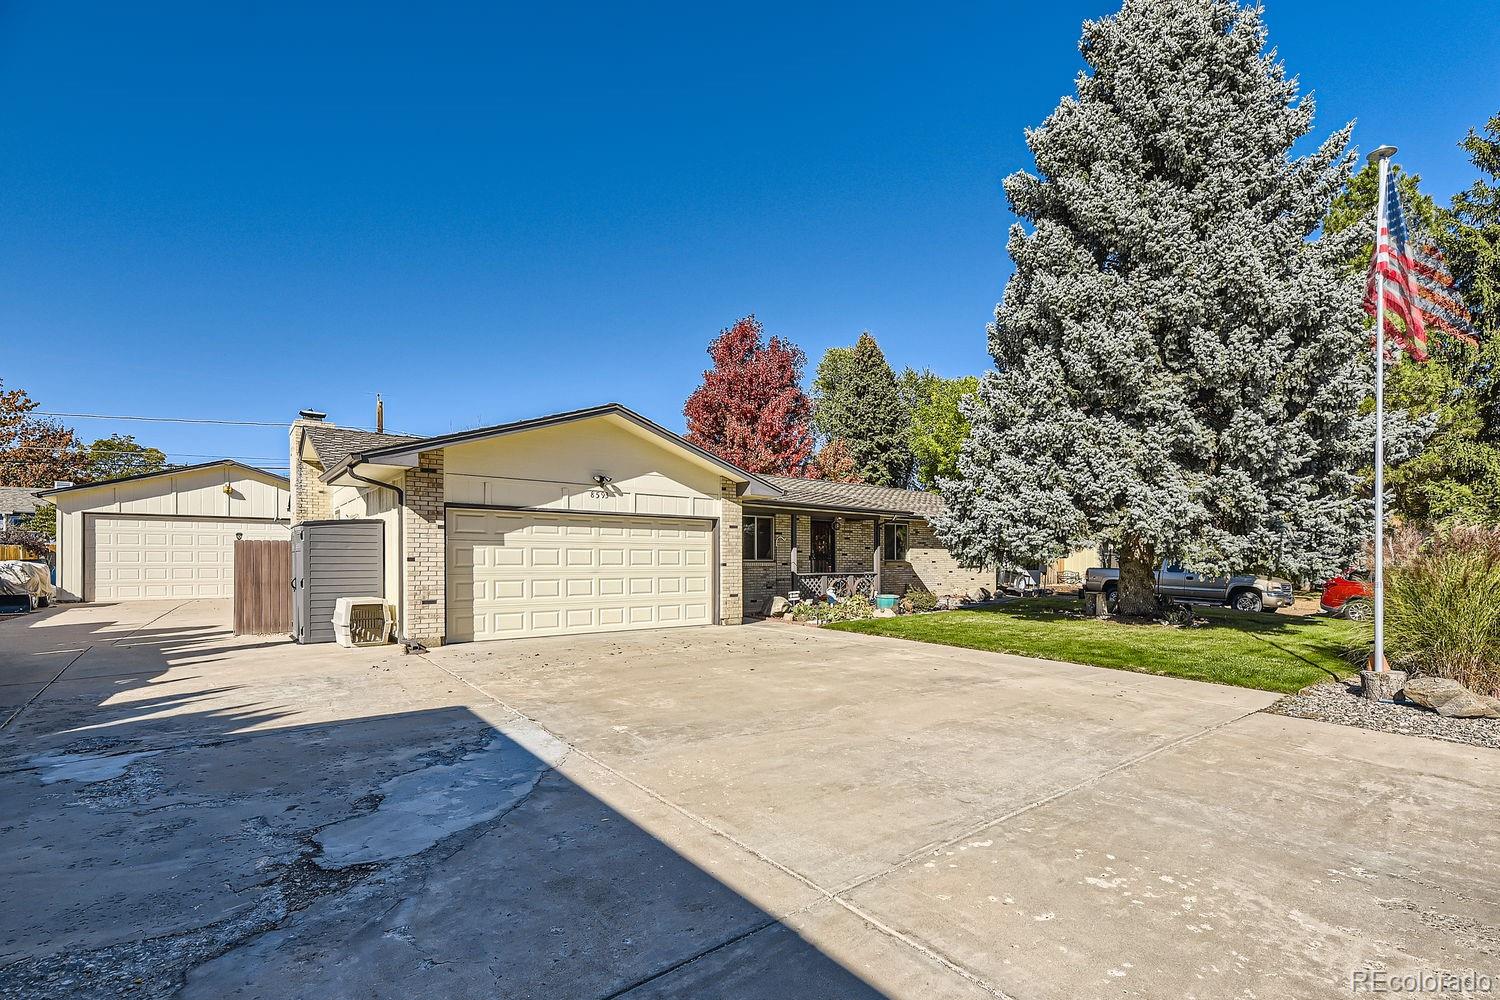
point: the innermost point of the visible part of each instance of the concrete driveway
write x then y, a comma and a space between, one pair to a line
758, 812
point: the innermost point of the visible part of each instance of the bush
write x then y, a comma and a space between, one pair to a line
917, 599
849, 609
1442, 609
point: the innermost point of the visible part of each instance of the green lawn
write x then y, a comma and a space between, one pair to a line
1270, 652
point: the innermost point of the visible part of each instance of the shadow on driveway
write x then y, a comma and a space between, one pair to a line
167, 830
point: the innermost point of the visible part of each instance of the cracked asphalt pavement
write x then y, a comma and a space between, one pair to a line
757, 812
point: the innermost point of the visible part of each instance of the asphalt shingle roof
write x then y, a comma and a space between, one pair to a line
334, 444
17, 500
857, 496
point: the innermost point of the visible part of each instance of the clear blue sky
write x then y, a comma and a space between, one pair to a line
238, 210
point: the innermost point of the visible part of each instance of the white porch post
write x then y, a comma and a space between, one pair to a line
879, 551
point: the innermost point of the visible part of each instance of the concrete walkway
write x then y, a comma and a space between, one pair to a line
765, 811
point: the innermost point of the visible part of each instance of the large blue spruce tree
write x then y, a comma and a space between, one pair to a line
1178, 362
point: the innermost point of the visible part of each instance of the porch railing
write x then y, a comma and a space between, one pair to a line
812, 586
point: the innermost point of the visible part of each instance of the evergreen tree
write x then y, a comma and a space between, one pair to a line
1474, 254
856, 400
1178, 366
1474, 249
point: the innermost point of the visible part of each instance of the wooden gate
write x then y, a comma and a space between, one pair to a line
262, 587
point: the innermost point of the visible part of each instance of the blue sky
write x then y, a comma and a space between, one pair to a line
237, 210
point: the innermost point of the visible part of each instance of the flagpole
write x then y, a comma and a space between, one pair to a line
1382, 156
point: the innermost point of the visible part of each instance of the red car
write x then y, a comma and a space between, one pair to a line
1349, 595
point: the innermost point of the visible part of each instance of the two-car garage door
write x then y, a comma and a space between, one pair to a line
513, 574
141, 558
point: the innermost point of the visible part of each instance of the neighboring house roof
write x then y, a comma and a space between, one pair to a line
334, 444
17, 499
174, 470
857, 496
373, 455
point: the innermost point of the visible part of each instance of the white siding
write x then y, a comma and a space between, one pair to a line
190, 493
553, 469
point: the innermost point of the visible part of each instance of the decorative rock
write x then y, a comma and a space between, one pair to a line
1095, 605
779, 606
1449, 699
1381, 685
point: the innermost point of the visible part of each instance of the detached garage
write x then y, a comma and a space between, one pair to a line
169, 534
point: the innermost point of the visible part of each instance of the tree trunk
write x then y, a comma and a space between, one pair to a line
1137, 593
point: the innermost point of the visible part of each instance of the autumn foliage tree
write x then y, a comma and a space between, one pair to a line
35, 451
750, 409
834, 463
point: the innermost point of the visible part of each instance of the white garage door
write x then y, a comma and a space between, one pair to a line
513, 574
144, 558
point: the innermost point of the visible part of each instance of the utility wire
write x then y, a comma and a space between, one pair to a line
283, 424
164, 420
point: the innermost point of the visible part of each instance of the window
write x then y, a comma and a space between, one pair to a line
894, 545
758, 538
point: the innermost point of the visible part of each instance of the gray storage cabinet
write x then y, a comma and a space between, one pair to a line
333, 559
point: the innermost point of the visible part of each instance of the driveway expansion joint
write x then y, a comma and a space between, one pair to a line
837, 895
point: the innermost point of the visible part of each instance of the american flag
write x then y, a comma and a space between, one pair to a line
1418, 286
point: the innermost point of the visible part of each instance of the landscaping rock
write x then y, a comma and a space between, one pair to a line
979, 595
779, 606
1341, 704
1449, 699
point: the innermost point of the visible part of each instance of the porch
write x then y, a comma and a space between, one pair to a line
811, 552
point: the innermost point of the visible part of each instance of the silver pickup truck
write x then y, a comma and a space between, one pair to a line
1243, 593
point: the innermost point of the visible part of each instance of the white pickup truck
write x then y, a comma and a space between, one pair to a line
1243, 593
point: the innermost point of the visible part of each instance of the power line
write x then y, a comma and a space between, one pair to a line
164, 420
86, 450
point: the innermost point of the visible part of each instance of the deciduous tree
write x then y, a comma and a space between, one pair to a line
750, 409
120, 455
938, 425
835, 463
35, 451
1178, 365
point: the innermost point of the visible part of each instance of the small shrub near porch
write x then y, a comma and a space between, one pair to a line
853, 608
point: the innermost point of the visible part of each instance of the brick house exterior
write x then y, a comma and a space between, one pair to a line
859, 516
647, 483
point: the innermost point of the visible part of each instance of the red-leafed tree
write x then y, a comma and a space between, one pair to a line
834, 462
750, 409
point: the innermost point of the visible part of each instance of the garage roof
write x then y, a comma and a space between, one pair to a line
410, 446
173, 470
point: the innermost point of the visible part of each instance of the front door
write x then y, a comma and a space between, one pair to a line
822, 546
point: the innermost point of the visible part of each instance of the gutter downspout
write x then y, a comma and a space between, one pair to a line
355, 461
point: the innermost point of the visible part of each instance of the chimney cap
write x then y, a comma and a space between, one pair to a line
312, 414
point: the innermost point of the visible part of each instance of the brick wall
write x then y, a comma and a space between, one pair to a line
731, 576
765, 579
426, 550
309, 495
854, 547
928, 566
